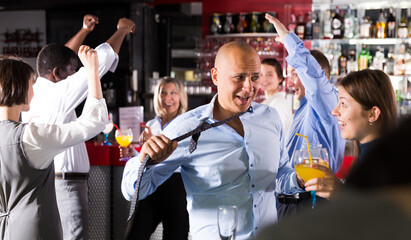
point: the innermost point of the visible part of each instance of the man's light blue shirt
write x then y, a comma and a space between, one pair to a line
313, 118
225, 169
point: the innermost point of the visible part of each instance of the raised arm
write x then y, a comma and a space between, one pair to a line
88, 57
124, 27
89, 21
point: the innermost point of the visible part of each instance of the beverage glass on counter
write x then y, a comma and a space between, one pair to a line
227, 222
124, 137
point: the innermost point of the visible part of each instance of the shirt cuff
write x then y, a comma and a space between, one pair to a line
97, 108
106, 48
291, 41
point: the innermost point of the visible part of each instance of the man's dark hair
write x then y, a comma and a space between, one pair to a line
53, 55
277, 66
15, 75
323, 61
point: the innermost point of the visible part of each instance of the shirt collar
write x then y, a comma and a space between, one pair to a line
208, 113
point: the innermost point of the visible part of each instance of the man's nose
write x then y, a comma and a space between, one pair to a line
248, 84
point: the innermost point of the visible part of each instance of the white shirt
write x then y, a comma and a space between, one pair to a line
279, 102
43, 141
55, 103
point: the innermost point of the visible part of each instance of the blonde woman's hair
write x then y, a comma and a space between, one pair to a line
181, 93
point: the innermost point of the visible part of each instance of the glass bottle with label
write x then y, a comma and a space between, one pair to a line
316, 26
293, 23
308, 31
242, 23
379, 59
389, 65
337, 24
381, 26
300, 29
349, 21
363, 58
391, 24
228, 25
402, 31
342, 63
327, 25
255, 22
365, 27
216, 26
352, 65
399, 68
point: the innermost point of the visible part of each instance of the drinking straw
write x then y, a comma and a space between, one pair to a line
120, 131
308, 147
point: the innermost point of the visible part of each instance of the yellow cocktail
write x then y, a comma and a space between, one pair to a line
306, 172
124, 140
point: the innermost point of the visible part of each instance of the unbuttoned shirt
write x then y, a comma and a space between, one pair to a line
55, 103
225, 169
313, 118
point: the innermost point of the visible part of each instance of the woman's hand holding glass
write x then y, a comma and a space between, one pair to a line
326, 186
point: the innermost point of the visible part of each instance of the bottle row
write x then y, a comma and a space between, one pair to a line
344, 59
228, 23
340, 24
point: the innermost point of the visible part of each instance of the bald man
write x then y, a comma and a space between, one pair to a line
235, 163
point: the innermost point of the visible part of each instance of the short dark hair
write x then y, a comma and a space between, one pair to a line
323, 61
14, 80
277, 65
53, 55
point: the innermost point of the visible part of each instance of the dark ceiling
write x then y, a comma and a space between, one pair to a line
47, 4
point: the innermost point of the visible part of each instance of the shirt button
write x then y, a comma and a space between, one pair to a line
255, 205
256, 228
251, 165
252, 185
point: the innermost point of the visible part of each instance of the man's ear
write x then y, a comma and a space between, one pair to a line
56, 74
374, 114
214, 74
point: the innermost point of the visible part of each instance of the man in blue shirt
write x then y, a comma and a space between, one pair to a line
236, 163
309, 80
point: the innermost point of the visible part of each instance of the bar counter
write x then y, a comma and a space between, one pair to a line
107, 206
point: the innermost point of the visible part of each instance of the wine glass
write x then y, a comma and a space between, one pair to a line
108, 129
124, 137
227, 222
302, 164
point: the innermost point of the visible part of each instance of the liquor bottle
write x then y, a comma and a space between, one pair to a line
352, 65
228, 25
342, 64
308, 31
316, 26
327, 25
349, 21
293, 23
255, 24
216, 26
337, 24
409, 21
365, 27
335, 55
399, 68
267, 26
402, 31
391, 24
381, 26
379, 60
390, 63
299, 30
242, 23
363, 58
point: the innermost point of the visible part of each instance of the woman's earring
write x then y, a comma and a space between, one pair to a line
370, 123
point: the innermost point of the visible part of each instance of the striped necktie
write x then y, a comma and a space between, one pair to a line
204, 125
